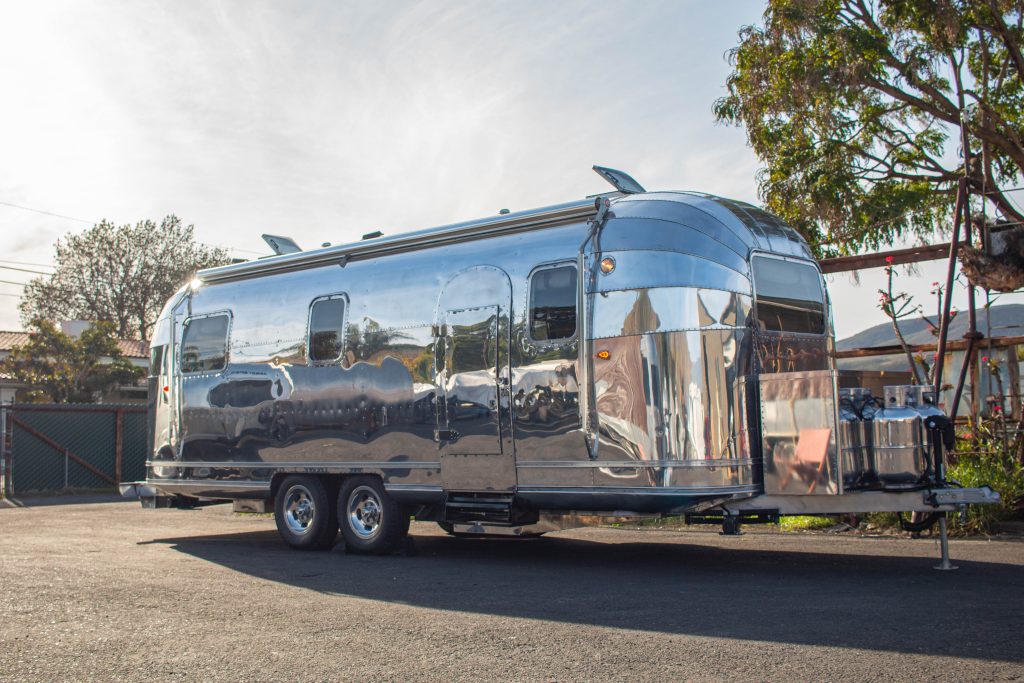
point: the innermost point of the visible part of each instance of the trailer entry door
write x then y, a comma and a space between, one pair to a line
472, 367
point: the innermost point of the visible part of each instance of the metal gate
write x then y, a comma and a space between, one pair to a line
53, 447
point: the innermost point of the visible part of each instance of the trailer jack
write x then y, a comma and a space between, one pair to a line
944, 563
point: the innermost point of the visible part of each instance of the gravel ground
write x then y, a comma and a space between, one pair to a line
113, 592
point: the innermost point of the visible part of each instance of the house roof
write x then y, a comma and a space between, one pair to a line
130, 348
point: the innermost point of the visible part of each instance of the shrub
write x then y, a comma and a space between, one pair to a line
985, 458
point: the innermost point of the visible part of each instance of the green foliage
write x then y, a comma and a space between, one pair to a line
855, 107
804, 523
121, 273
985, 458
62, 369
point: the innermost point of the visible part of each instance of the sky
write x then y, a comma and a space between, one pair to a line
327, 120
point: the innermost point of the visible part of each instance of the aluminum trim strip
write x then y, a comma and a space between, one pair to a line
676, 491
219, 484
413, 487
194, 464
651, 464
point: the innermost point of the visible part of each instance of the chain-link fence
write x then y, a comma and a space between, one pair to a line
53, 447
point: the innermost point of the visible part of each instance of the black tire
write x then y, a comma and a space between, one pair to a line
371, 521
305, 513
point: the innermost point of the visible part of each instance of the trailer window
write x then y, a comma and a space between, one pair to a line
789, 296
204, 344
327, 329
156, 360
553, 303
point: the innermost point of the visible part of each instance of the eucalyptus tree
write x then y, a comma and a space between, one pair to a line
857, 109
119, 273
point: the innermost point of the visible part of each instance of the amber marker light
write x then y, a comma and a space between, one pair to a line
607, 265
603, 355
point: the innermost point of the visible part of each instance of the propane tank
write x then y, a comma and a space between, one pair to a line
856, 409
901, 455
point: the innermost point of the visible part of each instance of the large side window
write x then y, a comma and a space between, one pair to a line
789, 296
327, 328
204, 344
552, 314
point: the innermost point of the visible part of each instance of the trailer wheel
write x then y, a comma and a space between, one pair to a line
305, 514
372, 522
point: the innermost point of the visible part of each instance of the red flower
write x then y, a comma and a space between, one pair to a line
997, 408
984, 359
935, 284
888, 259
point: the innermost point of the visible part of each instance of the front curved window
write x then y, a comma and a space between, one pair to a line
788, 296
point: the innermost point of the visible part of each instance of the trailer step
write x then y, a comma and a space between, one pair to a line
479, 507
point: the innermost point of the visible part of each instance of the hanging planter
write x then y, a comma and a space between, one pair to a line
1003, 269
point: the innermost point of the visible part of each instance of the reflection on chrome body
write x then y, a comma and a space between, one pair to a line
670, 394
798, 420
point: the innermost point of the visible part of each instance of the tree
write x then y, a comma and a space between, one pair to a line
857, 109
120, 273
64, 369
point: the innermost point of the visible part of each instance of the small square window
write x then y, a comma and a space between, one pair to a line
327, 329
552, 314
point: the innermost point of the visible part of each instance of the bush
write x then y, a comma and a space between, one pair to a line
984, 458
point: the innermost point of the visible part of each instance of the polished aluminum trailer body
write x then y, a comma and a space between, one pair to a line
659, 389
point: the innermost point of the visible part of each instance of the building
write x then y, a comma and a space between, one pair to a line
135, 351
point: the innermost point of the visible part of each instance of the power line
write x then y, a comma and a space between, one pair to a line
82, 220
48, 213
25, 270
244, 251
28, 263
16, 296
12, 282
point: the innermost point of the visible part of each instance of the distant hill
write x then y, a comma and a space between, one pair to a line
1007, 321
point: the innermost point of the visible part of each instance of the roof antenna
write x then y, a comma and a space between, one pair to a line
620, 180
282, 245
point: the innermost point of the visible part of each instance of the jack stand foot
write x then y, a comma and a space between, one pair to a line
730, 526
944, 563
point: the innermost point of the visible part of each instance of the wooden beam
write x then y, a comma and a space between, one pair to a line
64, 407
118, 444
842, 264
957, 345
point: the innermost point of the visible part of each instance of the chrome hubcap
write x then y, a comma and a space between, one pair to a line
364, 512
299, 510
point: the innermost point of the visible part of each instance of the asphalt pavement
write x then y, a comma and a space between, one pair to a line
114, 592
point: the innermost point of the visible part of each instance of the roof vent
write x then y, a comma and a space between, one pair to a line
620, 180
373, 235
282, 245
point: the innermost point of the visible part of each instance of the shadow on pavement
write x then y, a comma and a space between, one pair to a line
856, 601
70, 499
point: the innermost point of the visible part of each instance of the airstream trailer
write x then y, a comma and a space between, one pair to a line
632, 353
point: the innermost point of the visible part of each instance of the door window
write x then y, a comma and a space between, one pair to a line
552, 313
